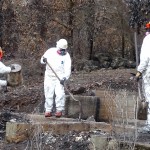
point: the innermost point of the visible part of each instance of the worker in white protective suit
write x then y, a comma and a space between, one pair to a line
59, 60
144, 67
4, 70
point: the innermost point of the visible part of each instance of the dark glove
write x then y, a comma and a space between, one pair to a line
12, 67
45, 60
62, 81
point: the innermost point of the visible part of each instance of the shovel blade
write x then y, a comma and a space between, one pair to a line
143, 110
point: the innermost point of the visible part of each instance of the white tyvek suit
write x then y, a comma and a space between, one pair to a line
3, 70
62, 66
144, 68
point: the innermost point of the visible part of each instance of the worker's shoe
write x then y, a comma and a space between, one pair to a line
58, 114
48, 114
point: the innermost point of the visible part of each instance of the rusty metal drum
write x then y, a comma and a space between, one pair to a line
14, 78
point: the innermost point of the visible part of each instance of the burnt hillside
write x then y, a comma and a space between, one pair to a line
28, 28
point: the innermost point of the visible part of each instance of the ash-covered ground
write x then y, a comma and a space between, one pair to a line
28, 97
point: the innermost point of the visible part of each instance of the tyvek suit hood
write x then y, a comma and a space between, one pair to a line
62, 44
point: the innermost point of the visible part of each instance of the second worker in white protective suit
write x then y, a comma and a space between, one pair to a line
144, 66
59, 60
4, 70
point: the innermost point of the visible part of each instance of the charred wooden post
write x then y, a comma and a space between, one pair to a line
14, 78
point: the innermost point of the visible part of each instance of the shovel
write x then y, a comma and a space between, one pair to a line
142, 105
80, 105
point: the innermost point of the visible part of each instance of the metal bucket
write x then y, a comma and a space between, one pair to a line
14, 78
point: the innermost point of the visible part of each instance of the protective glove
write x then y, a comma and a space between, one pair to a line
138, 76
62, 81
45, 60
12, 67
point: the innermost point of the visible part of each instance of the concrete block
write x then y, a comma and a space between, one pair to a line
100, 142
90, 107
20, 131
119, 105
